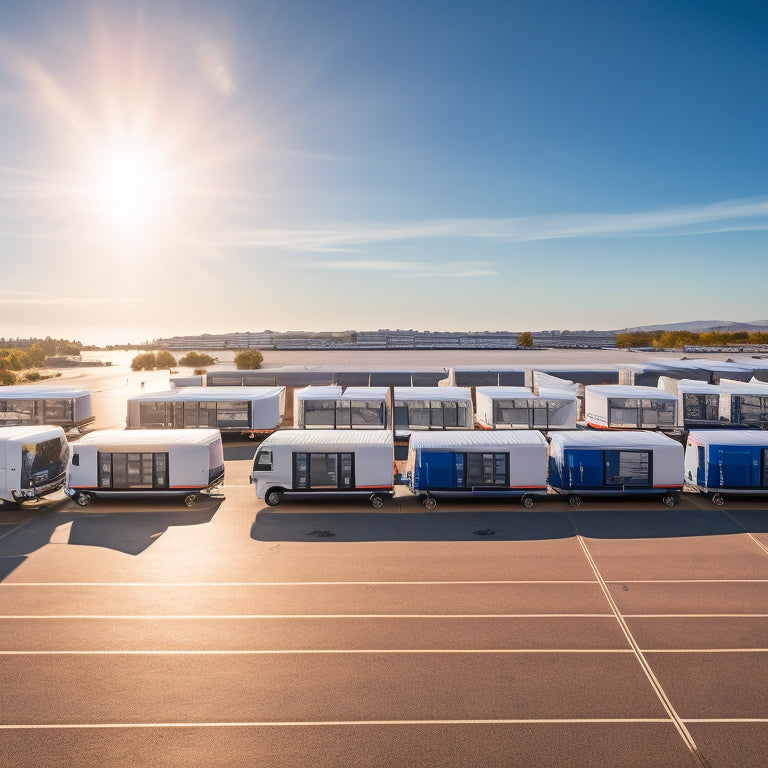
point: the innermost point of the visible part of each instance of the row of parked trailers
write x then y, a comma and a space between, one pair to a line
37, 461
556, 405
521, 464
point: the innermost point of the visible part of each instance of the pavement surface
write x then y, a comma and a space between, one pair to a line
328, 634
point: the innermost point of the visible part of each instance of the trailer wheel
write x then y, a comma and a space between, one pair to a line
376, 501
718, 499
574, 500
83, 499
274, 497
7, 506
430, 502
527, 501
190, 499
669, 499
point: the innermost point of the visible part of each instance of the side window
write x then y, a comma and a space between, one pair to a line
263, 461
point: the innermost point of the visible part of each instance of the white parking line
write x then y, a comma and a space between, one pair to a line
364, 723
319, 652
301, 616
153, 584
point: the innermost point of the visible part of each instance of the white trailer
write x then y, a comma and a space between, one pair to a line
420, 408
592, 463
244, 410
145, 462
615, 406
477, 464
323, 464
33, 463
64, 407
328, 408
519, 408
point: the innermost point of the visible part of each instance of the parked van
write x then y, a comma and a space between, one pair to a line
33, 463
145, 462
324, 463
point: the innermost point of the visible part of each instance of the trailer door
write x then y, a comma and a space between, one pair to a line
734, 466
439, 470
585, 468
323, 471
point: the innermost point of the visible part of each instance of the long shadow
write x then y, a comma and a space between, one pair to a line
110, 524
349, 522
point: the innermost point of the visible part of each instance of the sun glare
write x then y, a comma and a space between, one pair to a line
130, 189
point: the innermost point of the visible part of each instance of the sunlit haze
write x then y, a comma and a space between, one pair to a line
188, 167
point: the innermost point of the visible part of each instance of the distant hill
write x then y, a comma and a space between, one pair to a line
700, 326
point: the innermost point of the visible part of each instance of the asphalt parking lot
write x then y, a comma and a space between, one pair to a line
617, 634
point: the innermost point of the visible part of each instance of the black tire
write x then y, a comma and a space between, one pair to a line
527, 501
83, 498
8, 506
574, 500
273, 497
718, 500
376, 501
669, 499
190, 499
430, 502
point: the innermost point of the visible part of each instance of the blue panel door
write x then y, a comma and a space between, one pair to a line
585, 468
438, 469
734, 467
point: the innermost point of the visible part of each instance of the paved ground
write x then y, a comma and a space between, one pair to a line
331, 635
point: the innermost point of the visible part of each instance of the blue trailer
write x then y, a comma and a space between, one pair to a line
477, 464
727, 461
596, 463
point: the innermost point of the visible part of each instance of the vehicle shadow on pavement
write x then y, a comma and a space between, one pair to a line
600, 520
107, 524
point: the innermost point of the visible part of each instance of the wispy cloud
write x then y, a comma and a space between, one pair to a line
731, 215
32, 298
412, 268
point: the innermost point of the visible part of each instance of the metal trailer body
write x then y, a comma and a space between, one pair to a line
622, 407
297, 376
145, 463
519, 408
328, 408
324, 463
243, 410
701, 369
727, 461
698, 403
477, 464
490, 376
582, 375
64, 407
432, 408
744, 404
33, 462
597, 463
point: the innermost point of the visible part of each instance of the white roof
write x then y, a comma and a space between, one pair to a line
30, 433
318, 393
365, 393
30, 393
743, 387
505, 393
757, 437
477, 439
693, 387
609, 439
209, 394
127, 438
554, 393
328, 437
405, 394
620, 390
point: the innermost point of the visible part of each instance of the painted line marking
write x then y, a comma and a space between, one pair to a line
153, 584
363, 723
18, 527
316, 652
300, 616
646, 667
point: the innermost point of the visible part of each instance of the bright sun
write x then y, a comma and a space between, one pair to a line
130, 189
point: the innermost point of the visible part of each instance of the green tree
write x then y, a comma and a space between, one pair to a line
249, 359
525, 340
196, 359
164, 359
36, 355
144, 362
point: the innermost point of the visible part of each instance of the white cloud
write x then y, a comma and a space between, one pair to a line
741, 215
413, 268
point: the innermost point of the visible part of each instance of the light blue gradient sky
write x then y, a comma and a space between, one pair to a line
338, 165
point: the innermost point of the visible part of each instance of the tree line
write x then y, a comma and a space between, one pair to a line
248, 359
677, 339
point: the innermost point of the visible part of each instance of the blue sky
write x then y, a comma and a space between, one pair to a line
183, 167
